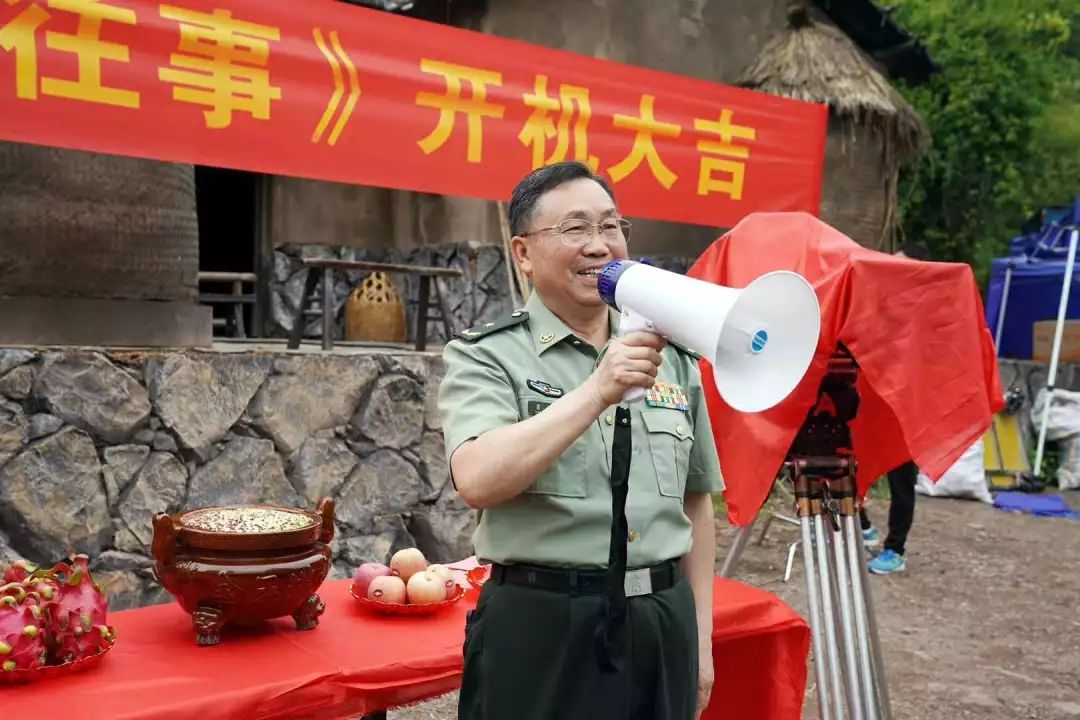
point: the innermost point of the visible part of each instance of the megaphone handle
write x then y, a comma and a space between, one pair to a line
629, 323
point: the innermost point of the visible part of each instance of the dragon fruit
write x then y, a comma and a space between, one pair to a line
75, 612
19, 571
22, 639
59, 611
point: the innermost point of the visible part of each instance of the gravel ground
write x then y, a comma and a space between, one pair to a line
983, 624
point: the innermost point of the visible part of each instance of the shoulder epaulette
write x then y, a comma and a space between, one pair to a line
684, 350
483, 330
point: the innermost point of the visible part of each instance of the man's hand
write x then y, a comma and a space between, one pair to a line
629, 362
705, 677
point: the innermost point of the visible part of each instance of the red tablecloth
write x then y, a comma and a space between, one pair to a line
357, 663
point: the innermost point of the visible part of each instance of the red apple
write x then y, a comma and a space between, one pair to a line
406, 563
365, 574
387, 589
426, 587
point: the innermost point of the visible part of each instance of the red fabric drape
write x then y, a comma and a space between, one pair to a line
928, 379
356, 663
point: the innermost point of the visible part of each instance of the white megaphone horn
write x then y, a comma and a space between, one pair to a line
759, 340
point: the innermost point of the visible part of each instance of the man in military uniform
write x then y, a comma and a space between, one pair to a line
596, 517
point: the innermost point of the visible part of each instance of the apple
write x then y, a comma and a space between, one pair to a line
406, 563
425, 587
446, 575
365, 574
387, 589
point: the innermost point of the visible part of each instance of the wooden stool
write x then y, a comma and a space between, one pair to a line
238, 298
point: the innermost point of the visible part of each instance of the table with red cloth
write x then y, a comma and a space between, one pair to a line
358, 663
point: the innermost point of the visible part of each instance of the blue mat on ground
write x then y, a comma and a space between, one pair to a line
1040, 505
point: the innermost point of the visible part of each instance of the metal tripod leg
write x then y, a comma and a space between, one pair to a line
769, 521
829, 619
847, 613
820, 662
881, 684
861, 625
742, 537
808, 505
792, 549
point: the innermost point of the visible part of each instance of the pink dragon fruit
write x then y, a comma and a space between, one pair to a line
18, 571
22, 640
75, 614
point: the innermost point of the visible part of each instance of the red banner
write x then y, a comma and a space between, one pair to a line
325, 90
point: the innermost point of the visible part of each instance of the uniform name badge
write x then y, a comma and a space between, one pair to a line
638, 582
666, 395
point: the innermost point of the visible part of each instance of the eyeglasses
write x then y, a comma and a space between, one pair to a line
578, 232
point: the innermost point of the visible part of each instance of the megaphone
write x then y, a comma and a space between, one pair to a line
759, 340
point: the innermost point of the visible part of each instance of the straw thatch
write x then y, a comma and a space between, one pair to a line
816, 62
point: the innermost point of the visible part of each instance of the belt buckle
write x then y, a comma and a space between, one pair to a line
638, 582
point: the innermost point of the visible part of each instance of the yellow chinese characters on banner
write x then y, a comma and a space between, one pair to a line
541, 128
19, 36
645, 127
222, 64
475, 108
557, 129
723, 148
329, 91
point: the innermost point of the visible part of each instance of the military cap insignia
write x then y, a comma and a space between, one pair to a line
666, 395
545, 388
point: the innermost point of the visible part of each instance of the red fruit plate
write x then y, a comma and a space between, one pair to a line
408, 608
54, 671
478, 575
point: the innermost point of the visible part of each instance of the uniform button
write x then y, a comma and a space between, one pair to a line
633, 535
609, 420
516, 313
491, 324
681, 430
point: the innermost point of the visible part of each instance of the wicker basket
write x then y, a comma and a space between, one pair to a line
374, 312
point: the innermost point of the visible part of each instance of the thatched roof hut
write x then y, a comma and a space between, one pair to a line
872, 129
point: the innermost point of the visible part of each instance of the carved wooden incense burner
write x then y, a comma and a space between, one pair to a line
241, 564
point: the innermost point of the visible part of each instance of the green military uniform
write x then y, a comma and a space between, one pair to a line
505, 372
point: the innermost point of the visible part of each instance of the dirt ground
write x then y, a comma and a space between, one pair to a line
985, 622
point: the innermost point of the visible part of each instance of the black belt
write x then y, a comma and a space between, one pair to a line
575, 582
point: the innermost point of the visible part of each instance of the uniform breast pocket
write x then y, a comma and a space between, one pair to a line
567, 476
670, 441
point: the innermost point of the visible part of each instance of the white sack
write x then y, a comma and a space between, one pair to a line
965, 479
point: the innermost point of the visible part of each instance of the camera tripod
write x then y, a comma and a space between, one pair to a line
821, 466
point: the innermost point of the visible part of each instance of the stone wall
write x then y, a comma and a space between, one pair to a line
479, 295
93, 444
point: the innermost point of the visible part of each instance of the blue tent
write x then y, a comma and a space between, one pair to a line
1028, 284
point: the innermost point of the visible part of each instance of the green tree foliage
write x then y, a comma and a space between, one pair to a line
1004, 115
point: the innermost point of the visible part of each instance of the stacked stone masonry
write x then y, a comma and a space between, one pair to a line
94, 443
